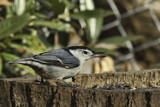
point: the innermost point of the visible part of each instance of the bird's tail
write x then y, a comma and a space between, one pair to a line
22, 61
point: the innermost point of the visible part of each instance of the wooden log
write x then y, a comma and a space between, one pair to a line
138, 79
24, 93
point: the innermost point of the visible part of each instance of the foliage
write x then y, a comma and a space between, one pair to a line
120, 41
1, 65
13, 24
87, 14
58, 25
93, 20
30, 28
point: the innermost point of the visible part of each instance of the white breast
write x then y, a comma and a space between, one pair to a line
60, 73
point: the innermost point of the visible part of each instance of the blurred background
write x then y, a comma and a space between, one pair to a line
128, 31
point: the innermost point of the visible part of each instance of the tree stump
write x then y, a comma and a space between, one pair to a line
144, 92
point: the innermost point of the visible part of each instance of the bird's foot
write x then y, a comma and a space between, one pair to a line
42, 81
63, 83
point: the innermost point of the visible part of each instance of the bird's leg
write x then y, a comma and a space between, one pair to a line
37, 80
42, 80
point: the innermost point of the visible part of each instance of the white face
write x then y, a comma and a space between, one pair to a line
82, 54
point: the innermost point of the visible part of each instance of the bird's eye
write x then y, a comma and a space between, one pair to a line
85, 52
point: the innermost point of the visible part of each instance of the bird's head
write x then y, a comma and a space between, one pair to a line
84, 53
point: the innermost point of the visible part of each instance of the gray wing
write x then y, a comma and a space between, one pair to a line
60, 57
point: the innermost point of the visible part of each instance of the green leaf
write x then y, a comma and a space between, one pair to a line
32, 43
46, 4
70, 4
8, 56
93, 20
58, 25
96, 13
93, 29
2, 45
108, 52
39, 15
30, 6
119, 40
13, 24
58, 7
1, 65
20, 36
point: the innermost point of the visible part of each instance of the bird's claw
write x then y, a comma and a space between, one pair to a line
67, 84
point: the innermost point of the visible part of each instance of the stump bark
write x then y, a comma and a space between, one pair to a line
21, 92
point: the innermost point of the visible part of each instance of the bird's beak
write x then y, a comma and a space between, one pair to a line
99, 54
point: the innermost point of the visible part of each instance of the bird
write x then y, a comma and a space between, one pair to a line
60, 63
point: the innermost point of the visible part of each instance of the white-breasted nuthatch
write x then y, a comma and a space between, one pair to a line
60, 63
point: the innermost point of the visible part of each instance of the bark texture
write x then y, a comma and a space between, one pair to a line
24, 93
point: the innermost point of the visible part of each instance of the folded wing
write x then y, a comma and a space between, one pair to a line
59, 57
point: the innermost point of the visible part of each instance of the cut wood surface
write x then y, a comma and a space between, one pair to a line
138, 79
22, 92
